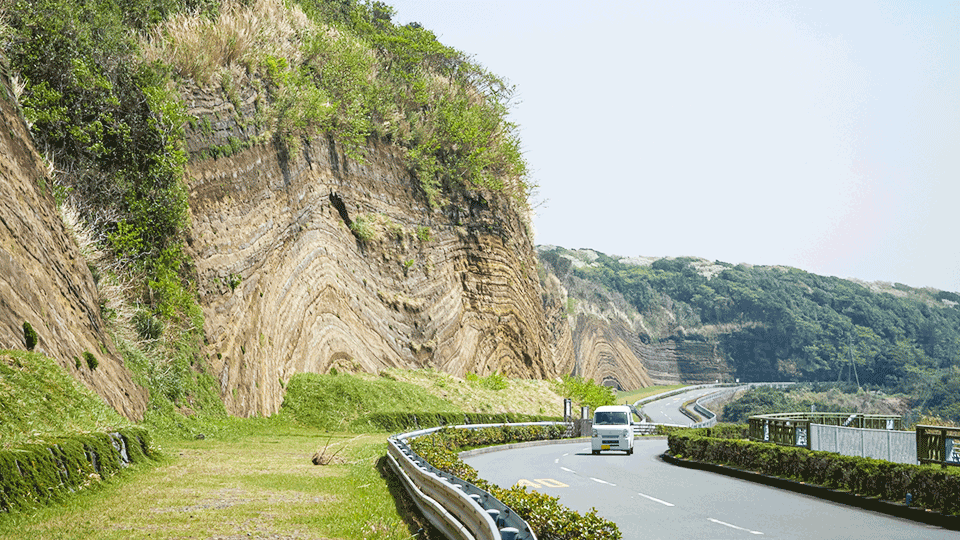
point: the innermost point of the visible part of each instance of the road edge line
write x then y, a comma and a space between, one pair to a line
843, 497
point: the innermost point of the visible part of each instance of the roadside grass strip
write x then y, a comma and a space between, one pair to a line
260, 485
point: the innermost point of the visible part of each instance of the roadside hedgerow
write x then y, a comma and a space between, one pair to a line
45, 472
549, 519
932, 487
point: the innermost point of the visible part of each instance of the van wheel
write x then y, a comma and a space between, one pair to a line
630, 452
596, 452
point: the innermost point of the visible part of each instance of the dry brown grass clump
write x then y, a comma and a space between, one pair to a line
200, 47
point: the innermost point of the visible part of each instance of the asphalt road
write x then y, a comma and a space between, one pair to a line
667, 410
650, 499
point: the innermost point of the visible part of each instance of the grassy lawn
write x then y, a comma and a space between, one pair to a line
243, 478
260, 484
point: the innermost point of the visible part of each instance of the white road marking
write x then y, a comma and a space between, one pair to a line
568, 470
556, 460
717, 521
654, 499
601, 481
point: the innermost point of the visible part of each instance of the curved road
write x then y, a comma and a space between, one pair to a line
667, 410
648, 498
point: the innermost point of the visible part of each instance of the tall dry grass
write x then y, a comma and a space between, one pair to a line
200, 47
114, 291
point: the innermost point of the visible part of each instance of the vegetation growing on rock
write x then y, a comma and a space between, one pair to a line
29, 336
779, 323
346, 69
101, 84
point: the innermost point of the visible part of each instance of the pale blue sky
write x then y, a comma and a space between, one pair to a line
820, 135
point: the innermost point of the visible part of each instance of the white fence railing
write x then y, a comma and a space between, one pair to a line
888, 445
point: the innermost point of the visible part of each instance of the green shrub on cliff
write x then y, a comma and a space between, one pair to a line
110, 124
346, 70
29, 336
113, 126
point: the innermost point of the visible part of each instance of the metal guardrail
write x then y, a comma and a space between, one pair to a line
710, 416
793, 429
456, 507
638, 405
703, 411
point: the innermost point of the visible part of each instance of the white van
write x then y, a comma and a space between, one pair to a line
612, 429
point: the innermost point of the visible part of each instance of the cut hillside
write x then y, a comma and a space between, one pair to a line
763, 323
276, 188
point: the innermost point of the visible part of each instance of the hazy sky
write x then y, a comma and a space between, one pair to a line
820, 135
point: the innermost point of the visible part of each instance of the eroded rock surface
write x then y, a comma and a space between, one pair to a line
43, 278
286, 286
609, 340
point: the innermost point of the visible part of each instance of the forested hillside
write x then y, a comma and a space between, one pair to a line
780, 323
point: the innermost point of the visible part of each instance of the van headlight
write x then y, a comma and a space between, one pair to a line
595, 432
626, 433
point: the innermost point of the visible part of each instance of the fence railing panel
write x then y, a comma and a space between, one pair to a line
938, 444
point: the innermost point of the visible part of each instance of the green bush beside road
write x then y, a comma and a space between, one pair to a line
549, 519
932, 487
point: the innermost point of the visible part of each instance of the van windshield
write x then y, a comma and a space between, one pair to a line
610, 418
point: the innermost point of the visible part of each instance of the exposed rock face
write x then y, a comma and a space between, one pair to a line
609, 340
43, 278
286, 286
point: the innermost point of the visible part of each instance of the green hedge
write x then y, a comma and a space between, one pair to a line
42, 473
549, 519
933, 487
395, 422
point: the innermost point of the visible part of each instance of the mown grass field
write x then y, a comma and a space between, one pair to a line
231, 478
258, 483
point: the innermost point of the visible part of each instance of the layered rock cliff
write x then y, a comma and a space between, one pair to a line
315, 260
43, 277
610, 341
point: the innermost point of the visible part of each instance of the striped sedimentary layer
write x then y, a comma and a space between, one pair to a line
609, 342
44, 280
287, 287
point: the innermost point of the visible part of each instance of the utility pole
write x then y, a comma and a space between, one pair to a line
852, 363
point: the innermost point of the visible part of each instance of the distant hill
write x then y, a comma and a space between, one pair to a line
782, 323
